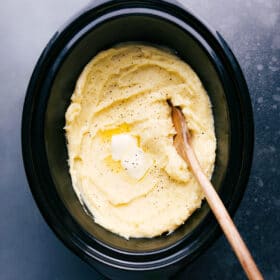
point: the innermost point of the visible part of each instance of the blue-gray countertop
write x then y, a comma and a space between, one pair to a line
28, 248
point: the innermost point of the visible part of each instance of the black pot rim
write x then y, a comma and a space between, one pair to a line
75, 243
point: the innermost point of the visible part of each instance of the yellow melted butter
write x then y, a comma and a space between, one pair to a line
107, 134
114, 165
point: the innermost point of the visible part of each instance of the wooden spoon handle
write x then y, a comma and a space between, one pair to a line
185, 150
223, 218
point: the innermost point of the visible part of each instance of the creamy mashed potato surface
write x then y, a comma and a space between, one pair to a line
119, 130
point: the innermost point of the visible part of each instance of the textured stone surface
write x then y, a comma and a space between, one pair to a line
28, 248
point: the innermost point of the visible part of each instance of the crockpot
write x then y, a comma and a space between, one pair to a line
100, 26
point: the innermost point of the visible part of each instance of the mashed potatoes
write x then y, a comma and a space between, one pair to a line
123, 164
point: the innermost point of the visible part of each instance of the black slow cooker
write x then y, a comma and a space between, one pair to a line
102, 25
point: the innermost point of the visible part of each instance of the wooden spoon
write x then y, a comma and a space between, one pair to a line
184, 149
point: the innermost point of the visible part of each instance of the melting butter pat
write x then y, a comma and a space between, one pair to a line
133, 160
